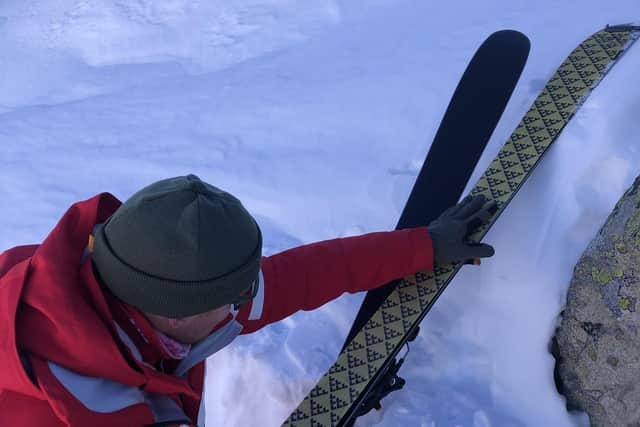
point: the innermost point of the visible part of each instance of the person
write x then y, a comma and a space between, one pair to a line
109, 320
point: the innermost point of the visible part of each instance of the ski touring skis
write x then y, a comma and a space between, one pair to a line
473, 113
335, 400
468, 123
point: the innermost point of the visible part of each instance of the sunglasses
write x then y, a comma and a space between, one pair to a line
246, 296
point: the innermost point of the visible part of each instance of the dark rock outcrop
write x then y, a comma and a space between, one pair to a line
597, 345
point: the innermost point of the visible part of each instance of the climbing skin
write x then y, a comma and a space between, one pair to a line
333, 399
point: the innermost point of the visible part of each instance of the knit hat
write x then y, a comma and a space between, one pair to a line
179, 247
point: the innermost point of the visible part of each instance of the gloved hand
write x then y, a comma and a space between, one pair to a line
449, 231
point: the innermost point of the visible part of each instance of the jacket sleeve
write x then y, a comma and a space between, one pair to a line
306, 277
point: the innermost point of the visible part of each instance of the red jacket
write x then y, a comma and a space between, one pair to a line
74, 355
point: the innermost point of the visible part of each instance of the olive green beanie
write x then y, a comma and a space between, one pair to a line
179, 247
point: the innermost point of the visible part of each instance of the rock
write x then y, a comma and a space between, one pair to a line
597, 346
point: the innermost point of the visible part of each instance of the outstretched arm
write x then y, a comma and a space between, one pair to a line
306, 277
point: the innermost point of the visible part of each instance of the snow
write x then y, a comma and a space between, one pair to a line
317, 115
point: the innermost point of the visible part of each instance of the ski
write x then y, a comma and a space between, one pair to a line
465, 130
468, 123
335, 400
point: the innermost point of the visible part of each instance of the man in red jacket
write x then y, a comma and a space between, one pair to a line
109, 321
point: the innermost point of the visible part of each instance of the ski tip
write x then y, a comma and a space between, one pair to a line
633, 27
508, 34
510, 40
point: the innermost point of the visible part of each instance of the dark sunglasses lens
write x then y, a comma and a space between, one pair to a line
249, 294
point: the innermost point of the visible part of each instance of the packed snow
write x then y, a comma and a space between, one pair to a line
317, 115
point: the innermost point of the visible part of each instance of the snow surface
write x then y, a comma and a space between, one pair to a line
317, 115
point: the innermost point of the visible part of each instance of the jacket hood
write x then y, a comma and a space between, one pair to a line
49, 311
53, 308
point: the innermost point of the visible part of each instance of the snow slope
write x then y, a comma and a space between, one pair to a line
317, 115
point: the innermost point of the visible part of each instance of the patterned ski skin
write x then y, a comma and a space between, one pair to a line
333, 400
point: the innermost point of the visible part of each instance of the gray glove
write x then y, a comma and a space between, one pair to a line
449, 231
